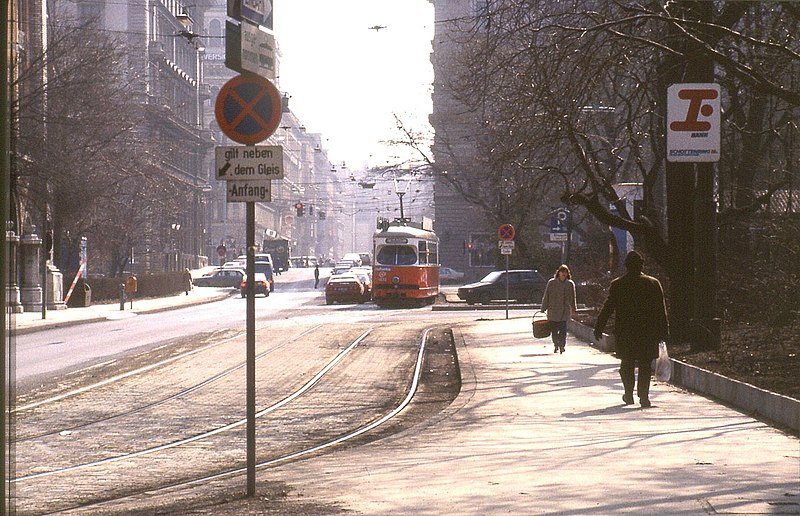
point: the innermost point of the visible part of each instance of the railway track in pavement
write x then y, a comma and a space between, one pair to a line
180, 419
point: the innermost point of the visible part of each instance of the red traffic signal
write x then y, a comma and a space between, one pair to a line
299, 207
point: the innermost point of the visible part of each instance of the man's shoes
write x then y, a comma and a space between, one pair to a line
561, 349
555, 349
628, 399
644, 402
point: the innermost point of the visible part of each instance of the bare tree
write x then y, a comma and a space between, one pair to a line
572, 94
83, 164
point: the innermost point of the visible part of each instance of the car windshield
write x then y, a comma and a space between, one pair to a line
492, 277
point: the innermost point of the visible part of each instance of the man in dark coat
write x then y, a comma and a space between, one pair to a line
639, 325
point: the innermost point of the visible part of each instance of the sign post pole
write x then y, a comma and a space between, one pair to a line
248, 110
506, 234
506, 286
251, 348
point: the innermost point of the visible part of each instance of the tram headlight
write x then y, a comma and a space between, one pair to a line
395, 280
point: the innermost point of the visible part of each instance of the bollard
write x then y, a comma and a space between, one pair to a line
122, 296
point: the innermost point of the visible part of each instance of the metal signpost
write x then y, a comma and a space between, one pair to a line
248, 110
506, 243
560, 231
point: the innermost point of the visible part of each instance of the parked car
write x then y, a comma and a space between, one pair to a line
353, 257
448, 275
342, 266
344, 288
523, 285
366, 259
260, 285
364, 274
228, 277
304, 261
260, 257
266, 269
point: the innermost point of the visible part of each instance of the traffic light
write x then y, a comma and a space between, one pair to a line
299, 207
310, 209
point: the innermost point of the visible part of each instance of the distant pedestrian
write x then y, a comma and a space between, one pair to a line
640, 324
316, 276
559, 304
187, 281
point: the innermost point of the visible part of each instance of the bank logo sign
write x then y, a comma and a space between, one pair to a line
693, 122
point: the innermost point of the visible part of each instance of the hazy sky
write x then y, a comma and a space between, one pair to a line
346, 81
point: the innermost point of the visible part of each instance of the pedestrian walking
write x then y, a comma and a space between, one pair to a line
559, 304
316, 276
640, 324
187, 280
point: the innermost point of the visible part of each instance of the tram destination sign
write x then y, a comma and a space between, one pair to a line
255, 162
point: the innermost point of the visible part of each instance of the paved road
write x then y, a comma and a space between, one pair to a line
536, 433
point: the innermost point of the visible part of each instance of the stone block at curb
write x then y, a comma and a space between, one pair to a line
586, 333
760, 403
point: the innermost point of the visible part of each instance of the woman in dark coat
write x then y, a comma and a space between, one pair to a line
640, 324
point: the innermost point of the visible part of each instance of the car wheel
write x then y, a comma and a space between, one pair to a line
328, 302
485, 299
471, 300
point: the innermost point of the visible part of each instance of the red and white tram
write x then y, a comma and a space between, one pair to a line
406, 265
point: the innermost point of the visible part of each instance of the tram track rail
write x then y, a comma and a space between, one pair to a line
321, 440
143, 370
354, 434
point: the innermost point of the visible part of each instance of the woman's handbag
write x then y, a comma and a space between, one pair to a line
663, 363
541, 326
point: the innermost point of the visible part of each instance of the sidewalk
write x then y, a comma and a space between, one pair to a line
533, 432
28, 322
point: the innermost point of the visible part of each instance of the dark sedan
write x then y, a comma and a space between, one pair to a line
220, 278
526, 286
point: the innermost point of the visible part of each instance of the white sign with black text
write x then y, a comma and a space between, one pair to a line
249, 191
248, 163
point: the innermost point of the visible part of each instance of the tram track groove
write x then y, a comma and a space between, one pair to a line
266, 431
126, 444
342, 437
184, 392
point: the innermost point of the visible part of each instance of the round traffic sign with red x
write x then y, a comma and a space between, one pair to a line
506, 232
248, 109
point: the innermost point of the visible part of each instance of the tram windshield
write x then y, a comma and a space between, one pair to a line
397, 255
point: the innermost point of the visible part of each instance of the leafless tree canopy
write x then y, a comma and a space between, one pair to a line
570, 99
84, 163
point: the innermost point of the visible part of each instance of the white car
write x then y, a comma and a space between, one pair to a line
448, 275
353, 257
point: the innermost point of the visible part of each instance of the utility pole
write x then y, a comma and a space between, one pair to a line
691, 212
5, 216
